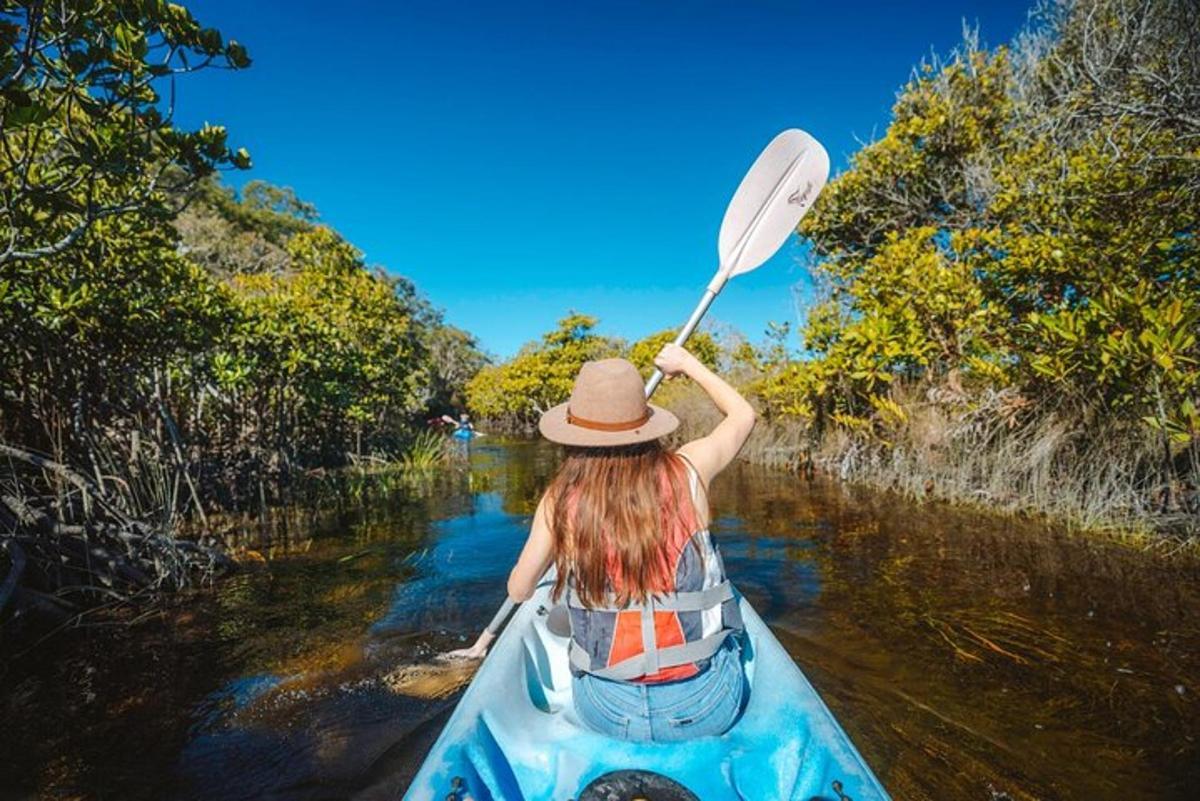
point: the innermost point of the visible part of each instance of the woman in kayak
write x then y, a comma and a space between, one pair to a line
655, 647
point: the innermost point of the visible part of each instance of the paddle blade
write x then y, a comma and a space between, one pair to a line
781, 186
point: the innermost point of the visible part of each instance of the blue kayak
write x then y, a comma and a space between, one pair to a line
515, 736
463, 433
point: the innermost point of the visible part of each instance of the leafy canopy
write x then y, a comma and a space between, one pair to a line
1028, 221
86, 116
541, 374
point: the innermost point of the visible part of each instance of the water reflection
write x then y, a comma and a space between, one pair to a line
968, 657
463, 572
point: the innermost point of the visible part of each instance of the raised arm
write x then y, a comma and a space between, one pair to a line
711, 454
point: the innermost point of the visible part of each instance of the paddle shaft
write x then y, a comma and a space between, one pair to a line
723, 274
502, 615
710, 295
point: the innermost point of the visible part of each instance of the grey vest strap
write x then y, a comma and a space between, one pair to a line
650, 637
696, 601
652, 660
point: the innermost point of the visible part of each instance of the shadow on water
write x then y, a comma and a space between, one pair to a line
968, 657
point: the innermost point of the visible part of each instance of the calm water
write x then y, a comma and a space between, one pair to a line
968, 658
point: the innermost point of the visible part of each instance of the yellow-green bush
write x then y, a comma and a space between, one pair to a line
541, 374
1028, 220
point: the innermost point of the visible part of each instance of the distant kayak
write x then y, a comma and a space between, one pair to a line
464, 433
515, 736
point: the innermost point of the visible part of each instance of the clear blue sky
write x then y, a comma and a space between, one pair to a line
519, 159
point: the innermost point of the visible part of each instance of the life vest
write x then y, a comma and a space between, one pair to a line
673, 634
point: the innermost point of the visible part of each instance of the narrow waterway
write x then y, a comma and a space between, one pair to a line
968, 657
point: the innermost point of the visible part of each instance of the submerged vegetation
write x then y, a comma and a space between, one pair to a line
1008, 285
172, 348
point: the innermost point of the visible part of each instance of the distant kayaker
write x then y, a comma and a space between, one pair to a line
463, 427
655, 631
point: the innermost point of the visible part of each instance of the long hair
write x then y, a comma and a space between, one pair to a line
612, 510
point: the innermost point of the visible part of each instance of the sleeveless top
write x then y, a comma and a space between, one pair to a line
673, 634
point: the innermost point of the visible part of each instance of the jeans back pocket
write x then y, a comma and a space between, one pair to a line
598, 712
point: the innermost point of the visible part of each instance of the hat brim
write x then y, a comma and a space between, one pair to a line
554, 427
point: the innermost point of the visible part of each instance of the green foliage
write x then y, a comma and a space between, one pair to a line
222, 234
454, 359
1028, 221
258, 360
88, 330
84, 132
327, 348
427, 451
260, 196
541, 374
700, 344
271, 213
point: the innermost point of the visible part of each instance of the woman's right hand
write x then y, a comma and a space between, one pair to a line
673, 360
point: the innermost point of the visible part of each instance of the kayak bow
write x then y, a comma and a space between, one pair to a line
515, 736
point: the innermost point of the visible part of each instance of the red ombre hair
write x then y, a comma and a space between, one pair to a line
612, 511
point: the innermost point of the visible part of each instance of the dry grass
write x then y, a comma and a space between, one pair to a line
986, 451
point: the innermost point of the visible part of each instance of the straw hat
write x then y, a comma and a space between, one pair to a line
607, 408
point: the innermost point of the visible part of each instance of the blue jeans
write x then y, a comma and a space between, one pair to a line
705, 704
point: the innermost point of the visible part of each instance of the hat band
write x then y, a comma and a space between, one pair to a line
597, 425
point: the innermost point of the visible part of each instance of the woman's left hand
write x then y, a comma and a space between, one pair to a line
477, 651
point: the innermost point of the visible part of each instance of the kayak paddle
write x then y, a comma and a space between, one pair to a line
780, 187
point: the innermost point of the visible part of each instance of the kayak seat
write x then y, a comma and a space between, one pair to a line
558, 621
